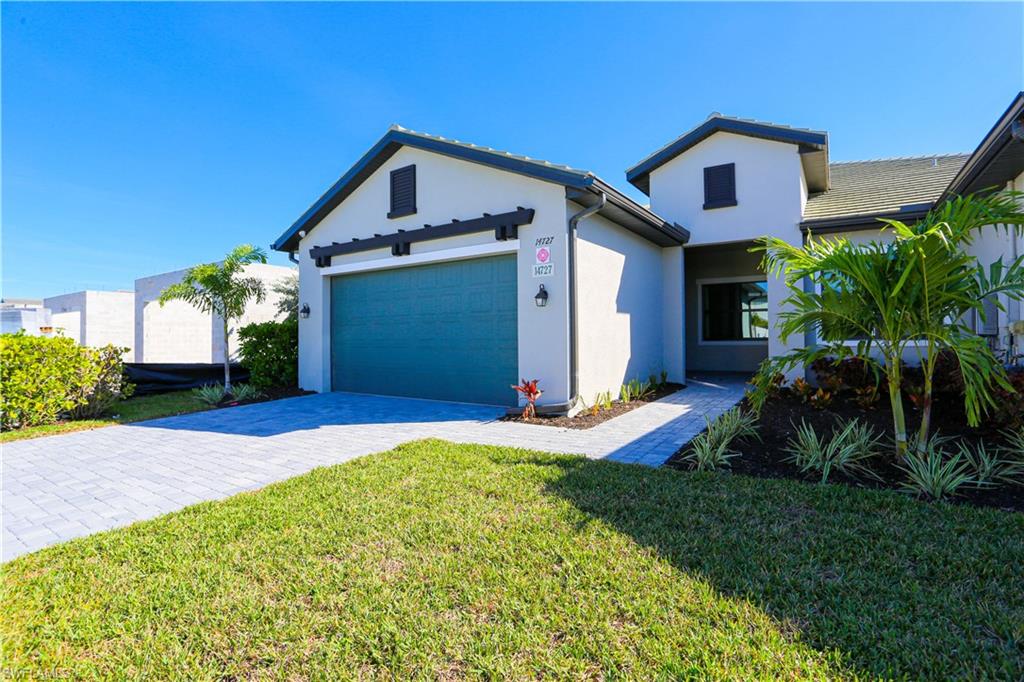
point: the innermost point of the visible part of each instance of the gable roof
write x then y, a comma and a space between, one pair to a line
862, 191
582, 186
811, 142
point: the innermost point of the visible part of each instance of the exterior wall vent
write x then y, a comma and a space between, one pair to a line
720, 186
403, 192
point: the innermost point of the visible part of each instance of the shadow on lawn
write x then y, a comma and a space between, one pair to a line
898, 587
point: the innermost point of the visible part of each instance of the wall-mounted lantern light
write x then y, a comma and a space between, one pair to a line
304, 311
541, 299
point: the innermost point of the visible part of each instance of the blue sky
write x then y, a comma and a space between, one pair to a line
141, 138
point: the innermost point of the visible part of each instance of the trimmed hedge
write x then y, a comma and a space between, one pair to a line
270, 351
43, 379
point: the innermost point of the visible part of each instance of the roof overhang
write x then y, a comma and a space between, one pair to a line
813, 147
619, 208
865, 221
622, 210
998, 159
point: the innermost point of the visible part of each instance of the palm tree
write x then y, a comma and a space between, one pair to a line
911, 293
220, 289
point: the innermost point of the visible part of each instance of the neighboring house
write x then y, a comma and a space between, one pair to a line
179, 333
25, 314
423, 269
96, 318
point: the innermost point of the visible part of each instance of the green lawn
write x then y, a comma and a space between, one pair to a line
131, 410
448, 561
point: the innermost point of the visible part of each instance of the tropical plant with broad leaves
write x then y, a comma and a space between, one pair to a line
884, 300
529, 391
223, 290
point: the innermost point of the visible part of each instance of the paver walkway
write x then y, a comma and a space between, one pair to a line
61, 487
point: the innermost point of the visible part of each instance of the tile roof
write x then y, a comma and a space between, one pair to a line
883, 185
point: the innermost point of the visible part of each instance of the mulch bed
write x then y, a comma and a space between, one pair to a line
776, 426
267, 395
586, 419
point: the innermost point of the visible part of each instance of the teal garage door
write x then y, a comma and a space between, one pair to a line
445, 331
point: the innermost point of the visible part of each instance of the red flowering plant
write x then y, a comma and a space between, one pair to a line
529, 390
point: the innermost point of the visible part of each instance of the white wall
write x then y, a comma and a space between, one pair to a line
97, 318
254, 312
447, 188
994, 244
620, 307
770, 190
31, 320
673, 297
770, 194
179, 332
68, 315
175, 332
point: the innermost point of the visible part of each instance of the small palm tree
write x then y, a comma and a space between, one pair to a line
910, 294
221, 289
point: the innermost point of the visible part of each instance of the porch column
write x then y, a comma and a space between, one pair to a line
777, 291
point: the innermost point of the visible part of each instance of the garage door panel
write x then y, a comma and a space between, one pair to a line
445, 331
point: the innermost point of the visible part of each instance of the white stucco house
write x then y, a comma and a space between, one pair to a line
439, 269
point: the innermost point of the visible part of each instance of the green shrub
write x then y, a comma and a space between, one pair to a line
270, 351
42, 379
110, 386
845, 450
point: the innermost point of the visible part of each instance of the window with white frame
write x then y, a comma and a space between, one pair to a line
734, 311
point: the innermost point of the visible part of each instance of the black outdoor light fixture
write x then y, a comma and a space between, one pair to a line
542, 297
304, 311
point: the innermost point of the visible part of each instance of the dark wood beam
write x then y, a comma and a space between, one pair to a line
505, 226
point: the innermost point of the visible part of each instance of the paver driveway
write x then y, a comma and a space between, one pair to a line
61, 487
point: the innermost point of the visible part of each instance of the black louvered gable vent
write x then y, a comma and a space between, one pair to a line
403, 192
720, 186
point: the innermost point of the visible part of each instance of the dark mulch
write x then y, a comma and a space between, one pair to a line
267, 395
588, 419
776, 426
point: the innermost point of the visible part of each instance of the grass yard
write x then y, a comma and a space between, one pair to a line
446, 561
130, 410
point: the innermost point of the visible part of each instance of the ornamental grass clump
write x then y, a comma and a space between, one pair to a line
846, 450
210, 394
933, 473
711, 449
992, 466
245, 392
